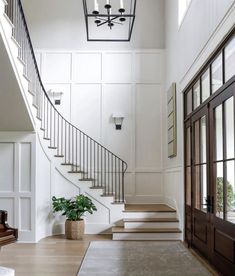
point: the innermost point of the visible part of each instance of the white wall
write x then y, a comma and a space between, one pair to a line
204, 26
58, 24
17, 181
97, 84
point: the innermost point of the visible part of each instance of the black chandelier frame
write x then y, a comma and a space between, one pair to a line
109, 19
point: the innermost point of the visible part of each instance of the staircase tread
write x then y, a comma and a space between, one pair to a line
150, 220
148, 208
145, 230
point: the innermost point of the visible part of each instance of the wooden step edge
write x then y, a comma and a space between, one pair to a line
86, 179
151, 220
108, 195
75, 171
60, 156
145, 230
46, 138
97, 188
43, 129
50, 147
66, 164
149, 211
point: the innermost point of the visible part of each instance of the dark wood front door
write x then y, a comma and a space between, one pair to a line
200, 181
210, 192
222, 151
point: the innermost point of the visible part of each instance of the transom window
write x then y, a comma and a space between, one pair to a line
218, 72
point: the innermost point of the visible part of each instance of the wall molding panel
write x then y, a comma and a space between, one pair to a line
17, 152
97, 84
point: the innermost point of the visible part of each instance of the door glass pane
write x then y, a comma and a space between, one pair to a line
203, 139
230, 192
230, 60
229, 112
217, 75
203, 188
188, 185
206, 85
197, 141
219, 132
219, 190
196, 95
188, 149
197, 188
189, 102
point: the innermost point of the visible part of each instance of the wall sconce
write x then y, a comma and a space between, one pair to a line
56, 96
118, 120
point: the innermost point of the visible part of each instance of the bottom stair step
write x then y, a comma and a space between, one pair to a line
121, 233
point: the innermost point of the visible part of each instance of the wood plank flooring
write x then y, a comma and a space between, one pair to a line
54, 256
51, 256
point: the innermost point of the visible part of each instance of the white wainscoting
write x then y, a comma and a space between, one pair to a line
97, 84
17, 181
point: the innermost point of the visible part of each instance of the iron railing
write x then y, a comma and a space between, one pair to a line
86, 156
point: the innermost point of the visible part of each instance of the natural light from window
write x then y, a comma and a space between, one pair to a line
183, 6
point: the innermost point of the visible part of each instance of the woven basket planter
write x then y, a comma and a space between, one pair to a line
74, 230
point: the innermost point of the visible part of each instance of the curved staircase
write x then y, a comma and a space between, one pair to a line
77, 156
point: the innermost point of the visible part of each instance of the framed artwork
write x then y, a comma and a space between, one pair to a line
171, 121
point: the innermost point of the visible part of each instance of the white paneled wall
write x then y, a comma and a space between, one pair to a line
17, 181
95, 85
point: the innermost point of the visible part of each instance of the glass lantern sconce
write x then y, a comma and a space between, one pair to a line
118, 120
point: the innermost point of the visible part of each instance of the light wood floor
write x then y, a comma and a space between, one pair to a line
54, 256
51, 256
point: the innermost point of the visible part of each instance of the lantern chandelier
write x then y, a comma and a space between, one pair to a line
105, 16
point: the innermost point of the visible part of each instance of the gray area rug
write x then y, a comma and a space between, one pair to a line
138, 258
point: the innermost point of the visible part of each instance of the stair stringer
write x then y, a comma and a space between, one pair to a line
12, 49
107, 215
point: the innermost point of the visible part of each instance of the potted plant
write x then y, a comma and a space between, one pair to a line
73, 208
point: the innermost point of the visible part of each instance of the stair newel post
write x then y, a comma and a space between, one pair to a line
83, 152
105, 172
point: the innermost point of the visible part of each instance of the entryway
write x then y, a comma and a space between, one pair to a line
210, 160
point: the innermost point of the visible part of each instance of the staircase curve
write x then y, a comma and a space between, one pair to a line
86, 157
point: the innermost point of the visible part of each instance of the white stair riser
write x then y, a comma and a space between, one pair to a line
153, 225
146, 236
149, 214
